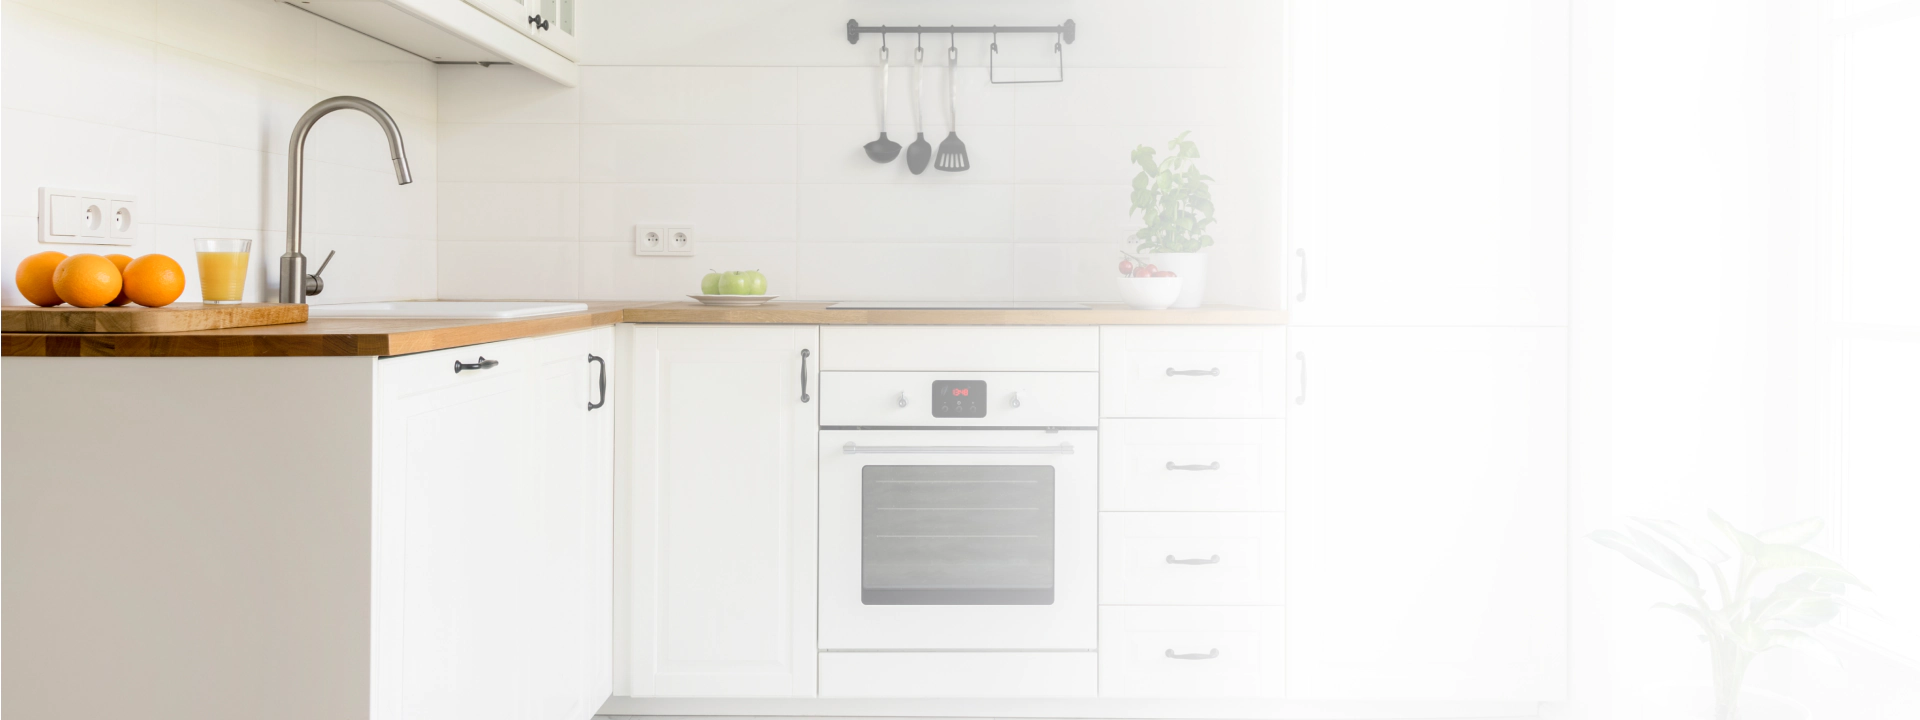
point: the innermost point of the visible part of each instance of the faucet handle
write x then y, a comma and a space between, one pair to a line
314, 283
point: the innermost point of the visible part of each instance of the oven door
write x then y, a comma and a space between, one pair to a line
958, 539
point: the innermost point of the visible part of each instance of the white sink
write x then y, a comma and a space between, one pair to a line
444, 310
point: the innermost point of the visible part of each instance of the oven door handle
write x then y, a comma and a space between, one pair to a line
856, 449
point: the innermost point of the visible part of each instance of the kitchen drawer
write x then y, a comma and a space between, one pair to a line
1192, 372
1154, 558
429, 371
1182, 652
1217, 465
959, 674
960, 347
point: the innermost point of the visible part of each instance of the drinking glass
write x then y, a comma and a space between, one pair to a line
223, 269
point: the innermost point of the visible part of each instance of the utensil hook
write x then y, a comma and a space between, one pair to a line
919, 53
952, 53
883, 47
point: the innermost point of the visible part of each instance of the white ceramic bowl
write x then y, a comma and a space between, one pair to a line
1149, 293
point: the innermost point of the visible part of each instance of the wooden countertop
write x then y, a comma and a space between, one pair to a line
351, 337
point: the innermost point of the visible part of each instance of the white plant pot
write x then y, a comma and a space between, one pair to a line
1192, 269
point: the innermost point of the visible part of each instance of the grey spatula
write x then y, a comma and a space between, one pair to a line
920, 152
953, 153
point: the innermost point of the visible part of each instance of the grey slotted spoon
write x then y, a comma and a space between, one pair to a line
953, 153
883, 150
920, 152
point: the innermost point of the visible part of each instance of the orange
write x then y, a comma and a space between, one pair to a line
155, 280
86, 280
34, 277
120, 261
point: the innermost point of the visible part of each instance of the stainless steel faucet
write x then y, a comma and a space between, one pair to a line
295, 283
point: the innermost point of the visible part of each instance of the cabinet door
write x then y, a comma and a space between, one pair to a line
717, 464
1427, 475
453, 539
570, 628
1438, 195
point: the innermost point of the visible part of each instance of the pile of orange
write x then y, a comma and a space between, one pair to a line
89, 281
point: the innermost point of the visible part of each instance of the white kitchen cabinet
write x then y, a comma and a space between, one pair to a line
1192, 652
1427, 485
717, 468
313, 537
1436, 197
1170, 371
484, 31
1208, 465
1192, 558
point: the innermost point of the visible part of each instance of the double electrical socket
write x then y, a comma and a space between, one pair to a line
86, 216
663, 240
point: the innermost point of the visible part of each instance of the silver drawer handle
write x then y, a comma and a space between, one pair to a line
1211, 373
1171, 560
1061, 449
1215, 465
1211, 654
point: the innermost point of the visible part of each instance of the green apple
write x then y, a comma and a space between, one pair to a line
759, 283
710, 285
736, 283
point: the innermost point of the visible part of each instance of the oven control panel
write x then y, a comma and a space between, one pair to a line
959, 398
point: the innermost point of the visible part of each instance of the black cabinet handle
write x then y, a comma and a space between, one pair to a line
536, 21
592, 358
484, 364
804, 354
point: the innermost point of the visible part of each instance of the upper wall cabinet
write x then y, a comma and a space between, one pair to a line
540, 35
1429, 193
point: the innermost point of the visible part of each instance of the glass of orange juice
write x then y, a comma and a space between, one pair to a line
223, 269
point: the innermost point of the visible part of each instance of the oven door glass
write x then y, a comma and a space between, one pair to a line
956, 535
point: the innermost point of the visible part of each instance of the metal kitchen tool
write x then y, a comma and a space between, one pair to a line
921, 151
953, 153
883, 150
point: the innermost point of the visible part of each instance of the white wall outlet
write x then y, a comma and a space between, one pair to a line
648, 241
87, 216
680, 240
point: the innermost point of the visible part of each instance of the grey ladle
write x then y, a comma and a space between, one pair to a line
883, 150
920, 152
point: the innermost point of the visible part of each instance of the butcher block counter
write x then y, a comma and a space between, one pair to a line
384, 337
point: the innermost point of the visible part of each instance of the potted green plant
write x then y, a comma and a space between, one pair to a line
1756, 609
1176, 207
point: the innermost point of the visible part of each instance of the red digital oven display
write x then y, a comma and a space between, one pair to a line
959, 398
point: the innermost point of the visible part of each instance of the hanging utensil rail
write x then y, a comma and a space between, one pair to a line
855, 29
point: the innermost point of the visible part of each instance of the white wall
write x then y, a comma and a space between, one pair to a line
746, 118
188, 104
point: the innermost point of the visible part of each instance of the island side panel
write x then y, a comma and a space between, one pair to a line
186, 538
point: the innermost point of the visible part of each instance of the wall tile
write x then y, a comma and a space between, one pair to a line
509, 270
1073, 213
899, 271
347, 61
1050, 154
509, 211
687, 95
372, 269
58, 66
133, 18
687, 153
266, 36
503, 94
509, 153
1131, 96
719, 213
907, 213
610, 270
1062, 271
204, 99
851, 96
833, 154
46, 151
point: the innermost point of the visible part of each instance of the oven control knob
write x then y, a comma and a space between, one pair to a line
902, 402
1016, 399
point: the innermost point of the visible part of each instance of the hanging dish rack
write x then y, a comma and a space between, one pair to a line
1063, 35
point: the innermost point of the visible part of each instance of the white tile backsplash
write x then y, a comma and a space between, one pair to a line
687, 153
474, 152
687, 96
504, 94
921, 271
188, 105
719, 213
906, 213
611, 271
509, 211
509, 270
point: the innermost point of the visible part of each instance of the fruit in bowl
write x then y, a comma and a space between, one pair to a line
734, 282
1146, 287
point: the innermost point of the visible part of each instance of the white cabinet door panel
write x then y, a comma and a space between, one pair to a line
1436, 196
1192, 559
1427, 485
1192, 652
1191, 371
1205, 465
718, 467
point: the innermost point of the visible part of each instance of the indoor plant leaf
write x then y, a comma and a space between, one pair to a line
1797, 533
1675, 568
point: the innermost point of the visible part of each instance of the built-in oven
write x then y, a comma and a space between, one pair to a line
958, 511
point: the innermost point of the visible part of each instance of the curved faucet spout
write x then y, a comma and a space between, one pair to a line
295, 284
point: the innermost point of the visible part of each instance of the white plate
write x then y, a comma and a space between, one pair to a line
733, 299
